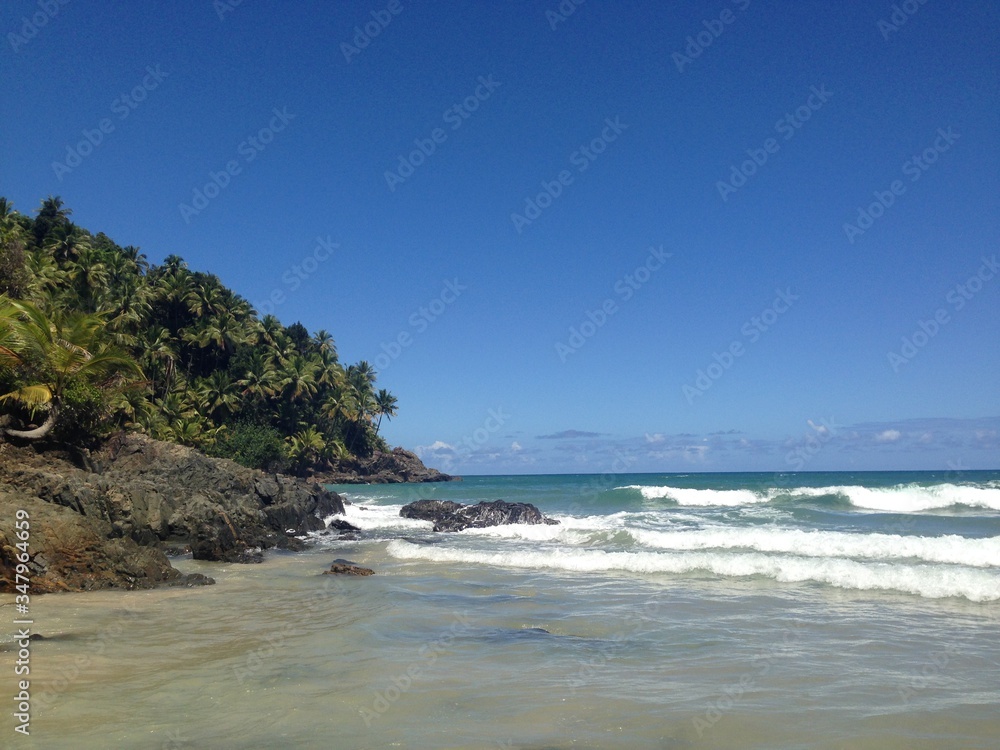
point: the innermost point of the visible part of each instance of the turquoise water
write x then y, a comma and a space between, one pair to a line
931, 534
840, 611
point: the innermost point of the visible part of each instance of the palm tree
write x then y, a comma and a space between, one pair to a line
340, 407
6, 213
47, 277
324, 340
260, 380
67, 244
331, 373
14, 277
159, 346
361, 373
52, 214
176, 408
297, 377
11, 341
360, 378
173, 265
306, 447
173, 287
385, 406
271, 328
223, 330
138, 259
218, 394
90, 274
68, 346
206, 298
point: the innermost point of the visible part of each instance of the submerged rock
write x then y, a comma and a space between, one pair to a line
341, 525
345, 568
451, 516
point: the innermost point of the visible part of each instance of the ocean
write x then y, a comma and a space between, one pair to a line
812, 610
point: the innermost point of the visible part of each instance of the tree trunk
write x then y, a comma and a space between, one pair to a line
38, 432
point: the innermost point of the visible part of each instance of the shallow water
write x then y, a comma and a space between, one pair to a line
469, 652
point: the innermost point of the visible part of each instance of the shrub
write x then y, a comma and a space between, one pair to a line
253, 445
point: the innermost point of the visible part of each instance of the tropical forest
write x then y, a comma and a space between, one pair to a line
95, 340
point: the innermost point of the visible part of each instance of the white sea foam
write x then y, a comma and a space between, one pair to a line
370, 517
980, 553
569, 530
910, 498
931, 581
684, 496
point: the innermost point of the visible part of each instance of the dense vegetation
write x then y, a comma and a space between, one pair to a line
93, 339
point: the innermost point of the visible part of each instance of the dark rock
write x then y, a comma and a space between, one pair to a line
348, 569
397, 466
342, 525
430, 510
71, 552
107, 529
452, 516
192, 579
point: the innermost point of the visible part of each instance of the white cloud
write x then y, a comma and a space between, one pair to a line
888, 436
435, 449
515, 446
656, 437
822, 429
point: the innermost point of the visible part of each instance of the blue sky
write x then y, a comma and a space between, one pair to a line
691, 235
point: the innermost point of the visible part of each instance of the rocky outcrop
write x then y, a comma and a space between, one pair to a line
111, 514
452, 516
70, 552
347, 568
394, 467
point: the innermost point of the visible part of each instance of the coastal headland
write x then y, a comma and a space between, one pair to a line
110, 518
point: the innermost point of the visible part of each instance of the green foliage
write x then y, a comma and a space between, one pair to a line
96, 338
84, 414
253, 445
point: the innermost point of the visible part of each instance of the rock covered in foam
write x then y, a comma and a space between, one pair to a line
451, 516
